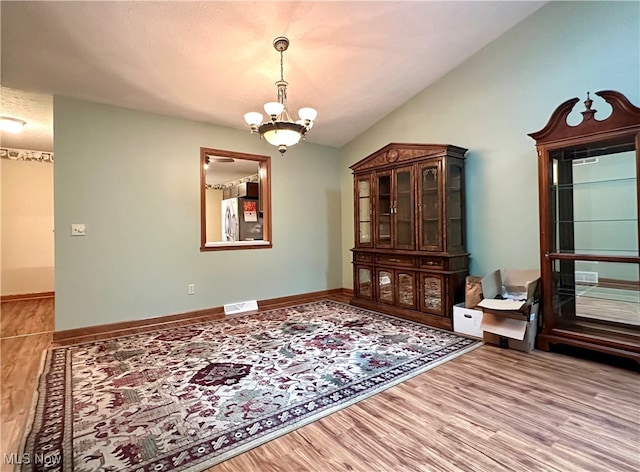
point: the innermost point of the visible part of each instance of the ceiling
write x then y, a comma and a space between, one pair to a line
224, 172
34, 108
353, 61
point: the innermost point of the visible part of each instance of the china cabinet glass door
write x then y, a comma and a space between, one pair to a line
384, 209
594, 228
455, 206
432, 293
430, 205
364, 287
403, 208
406, 289
364, 212
397, 287
385, 286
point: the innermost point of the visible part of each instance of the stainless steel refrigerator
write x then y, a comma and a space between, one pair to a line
241, 220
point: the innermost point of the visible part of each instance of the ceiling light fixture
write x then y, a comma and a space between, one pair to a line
217, 159
11, 125
281, 130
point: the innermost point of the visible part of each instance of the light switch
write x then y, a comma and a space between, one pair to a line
77, 229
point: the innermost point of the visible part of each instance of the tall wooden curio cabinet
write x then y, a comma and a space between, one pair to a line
409, 257
589, 226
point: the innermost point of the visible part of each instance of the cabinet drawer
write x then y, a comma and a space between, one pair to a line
431, 263
360, 257
406, 261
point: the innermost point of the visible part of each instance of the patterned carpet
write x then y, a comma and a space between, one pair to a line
188, 398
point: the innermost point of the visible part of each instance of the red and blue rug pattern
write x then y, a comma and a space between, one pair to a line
187, 398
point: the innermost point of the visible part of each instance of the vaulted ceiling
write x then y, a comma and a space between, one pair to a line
214, 61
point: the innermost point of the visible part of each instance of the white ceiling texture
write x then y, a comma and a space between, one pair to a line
213, 61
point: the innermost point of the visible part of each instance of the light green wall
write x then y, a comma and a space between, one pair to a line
133, 178
489, 104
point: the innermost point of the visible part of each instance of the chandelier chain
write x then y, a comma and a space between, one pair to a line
281, 67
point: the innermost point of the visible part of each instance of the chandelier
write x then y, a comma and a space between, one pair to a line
281, 130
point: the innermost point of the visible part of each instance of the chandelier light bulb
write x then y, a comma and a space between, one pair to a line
253, 118
273, 109
282, 137
307, 114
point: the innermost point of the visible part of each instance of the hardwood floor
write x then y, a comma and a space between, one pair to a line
26, 329
488, 410
26, 317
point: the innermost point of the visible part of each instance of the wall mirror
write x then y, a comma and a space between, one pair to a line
235, 200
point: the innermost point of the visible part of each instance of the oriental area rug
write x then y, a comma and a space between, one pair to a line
188, 398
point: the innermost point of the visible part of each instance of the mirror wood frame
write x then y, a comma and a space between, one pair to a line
264, 165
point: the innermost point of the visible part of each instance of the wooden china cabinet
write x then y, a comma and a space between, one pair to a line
589, 226
409, 258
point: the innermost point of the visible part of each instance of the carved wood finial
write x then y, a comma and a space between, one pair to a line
588, 113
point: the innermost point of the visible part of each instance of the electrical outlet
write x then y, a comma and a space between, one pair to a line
191, 289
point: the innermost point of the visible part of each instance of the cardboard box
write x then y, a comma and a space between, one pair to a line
514, 331
467, 321
510, 309
510, 289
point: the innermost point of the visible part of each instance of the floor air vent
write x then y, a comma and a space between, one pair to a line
586, 160
240, 307
586, 277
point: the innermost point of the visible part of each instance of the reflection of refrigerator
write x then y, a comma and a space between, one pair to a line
241, 220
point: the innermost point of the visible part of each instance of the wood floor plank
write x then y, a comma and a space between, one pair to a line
490, 410
21, 361
23, 317
592, 462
